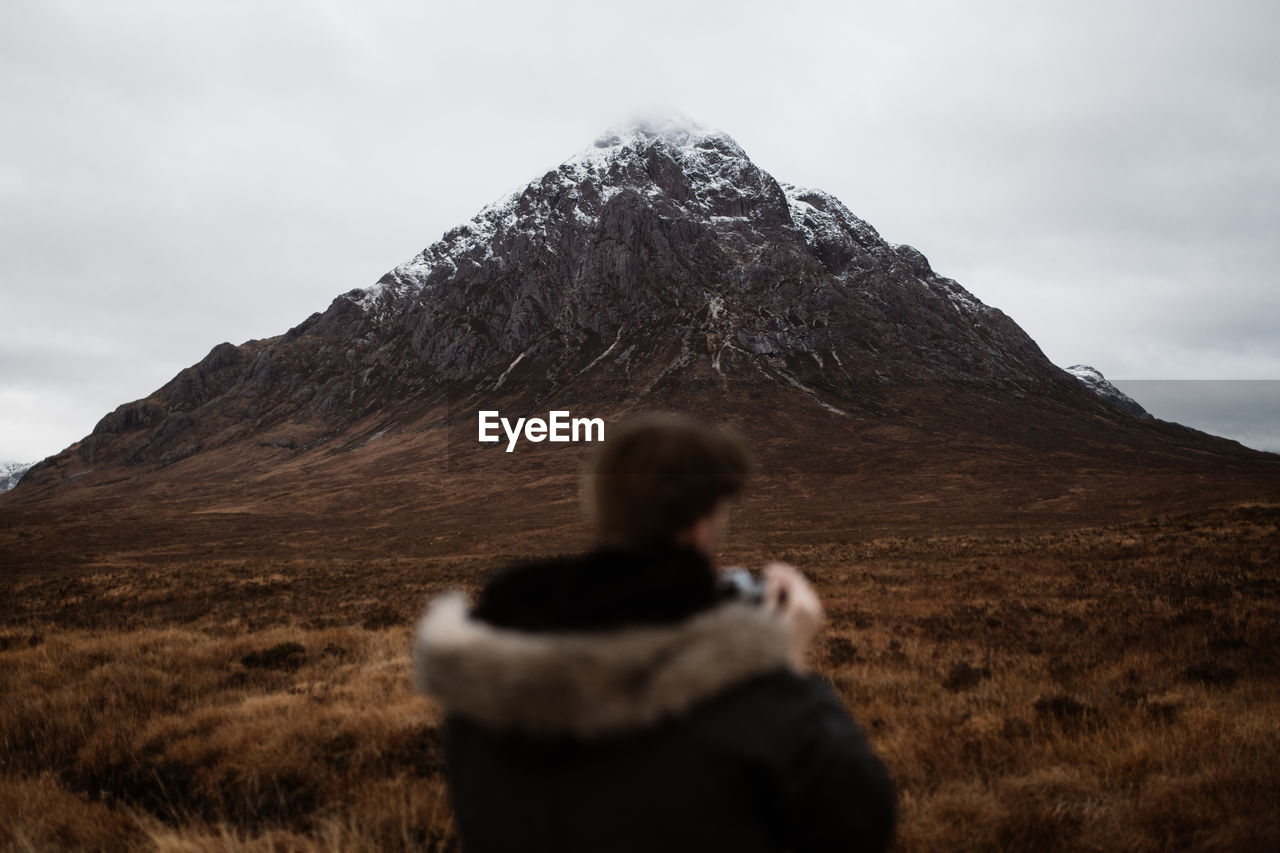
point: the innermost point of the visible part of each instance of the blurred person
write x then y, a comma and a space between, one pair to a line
623, 700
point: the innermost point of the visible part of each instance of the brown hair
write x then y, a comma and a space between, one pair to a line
659, 473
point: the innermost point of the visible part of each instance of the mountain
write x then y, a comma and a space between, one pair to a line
658, 268
1098, 384
656, 255
11, 473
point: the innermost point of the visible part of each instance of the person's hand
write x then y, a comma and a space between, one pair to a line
787, 591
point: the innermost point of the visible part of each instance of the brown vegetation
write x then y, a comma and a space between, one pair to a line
1112, 688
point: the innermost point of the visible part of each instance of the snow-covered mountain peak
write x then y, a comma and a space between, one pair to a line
11, 473
672, 132
1098, 384
673, 161
1087, 374
699, 151
674, 129
668, 217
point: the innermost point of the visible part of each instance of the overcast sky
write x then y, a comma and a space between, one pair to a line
174, 175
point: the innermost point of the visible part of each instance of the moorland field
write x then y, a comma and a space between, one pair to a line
1093, 686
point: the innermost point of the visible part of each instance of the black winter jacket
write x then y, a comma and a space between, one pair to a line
610, 702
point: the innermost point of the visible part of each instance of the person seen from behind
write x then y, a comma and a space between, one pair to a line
628, 699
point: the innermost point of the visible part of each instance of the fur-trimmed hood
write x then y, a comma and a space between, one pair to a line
589, 683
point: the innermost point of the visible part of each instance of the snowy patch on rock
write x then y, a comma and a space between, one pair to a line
822, 216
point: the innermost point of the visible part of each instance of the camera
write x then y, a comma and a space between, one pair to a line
738, 584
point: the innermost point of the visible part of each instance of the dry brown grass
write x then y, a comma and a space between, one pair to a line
1097, 689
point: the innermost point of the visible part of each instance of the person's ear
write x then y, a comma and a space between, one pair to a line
705, 534
700, 535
